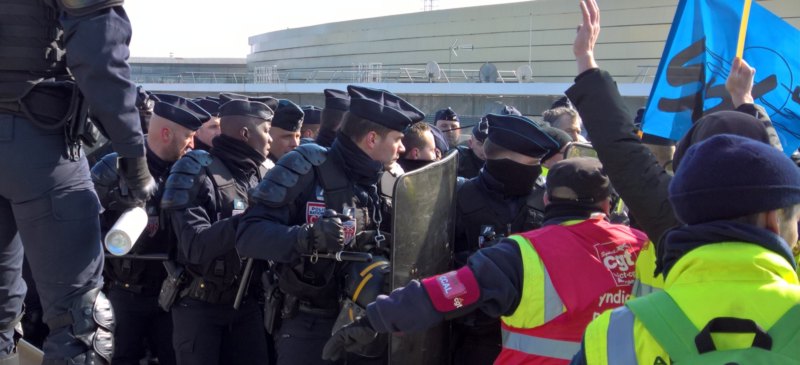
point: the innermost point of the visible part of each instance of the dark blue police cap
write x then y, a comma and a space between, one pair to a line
480, 129
245, 108
446, 114
226, 97
181, 111
212, 98
383, 107
271, 102
288, 116
510, 110
336, 99
312, 114
521, 135
210, 106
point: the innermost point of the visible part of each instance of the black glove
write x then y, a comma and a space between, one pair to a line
351, 337
324, 235
137, 186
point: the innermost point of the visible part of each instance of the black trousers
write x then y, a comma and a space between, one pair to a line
141, 324
205, 333
51, 202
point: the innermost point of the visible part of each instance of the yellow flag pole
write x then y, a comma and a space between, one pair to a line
743, 28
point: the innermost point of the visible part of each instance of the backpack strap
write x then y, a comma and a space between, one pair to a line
785, 333
667, 323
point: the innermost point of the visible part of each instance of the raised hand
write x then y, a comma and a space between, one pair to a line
588, 32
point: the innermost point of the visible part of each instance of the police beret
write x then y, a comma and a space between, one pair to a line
210, 106
578, 180
480, 129
245, 108
336, 99
383, 107
226, 97
558, 135
288, 116
271, 102
212, 98
312, 115
180, 110
446, 114
521, 135
510, 110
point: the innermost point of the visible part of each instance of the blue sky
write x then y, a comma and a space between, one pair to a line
192, 28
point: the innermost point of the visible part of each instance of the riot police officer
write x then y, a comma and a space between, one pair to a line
337, 102
471, 157
285, 130
133, 284
46, 193
288, 223
204, 137
502, 200
205, 193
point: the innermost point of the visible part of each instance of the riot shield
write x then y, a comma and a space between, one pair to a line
423, 230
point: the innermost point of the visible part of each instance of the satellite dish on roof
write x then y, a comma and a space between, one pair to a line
433, 70
488, 72
524, 73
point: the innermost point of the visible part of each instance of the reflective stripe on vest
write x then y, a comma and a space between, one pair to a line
553, 306
641, 289
538, 346
620, 345
537, 288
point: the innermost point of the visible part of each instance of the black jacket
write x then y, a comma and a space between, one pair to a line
636, 175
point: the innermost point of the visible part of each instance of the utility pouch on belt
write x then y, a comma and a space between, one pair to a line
172, 285
273, 302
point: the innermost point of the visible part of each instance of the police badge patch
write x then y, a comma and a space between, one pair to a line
314, 211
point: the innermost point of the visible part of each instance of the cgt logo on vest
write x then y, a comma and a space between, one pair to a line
619, 261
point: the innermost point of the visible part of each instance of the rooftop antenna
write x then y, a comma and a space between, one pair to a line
433, 71
524, 73
428, 5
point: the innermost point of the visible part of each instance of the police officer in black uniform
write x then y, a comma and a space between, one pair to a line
133, 284
204, 137
285, 130
205, 193
502, 200
471, 157
337, 103
311, 120
46, 193
288, 222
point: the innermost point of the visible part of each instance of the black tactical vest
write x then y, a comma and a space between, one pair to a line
317, 284
218, 280
31, 46
476, 215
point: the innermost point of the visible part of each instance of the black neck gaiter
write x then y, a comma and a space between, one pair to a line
517, 179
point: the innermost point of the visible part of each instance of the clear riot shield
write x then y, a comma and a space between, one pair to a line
423, 230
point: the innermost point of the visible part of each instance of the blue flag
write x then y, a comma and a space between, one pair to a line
699, 52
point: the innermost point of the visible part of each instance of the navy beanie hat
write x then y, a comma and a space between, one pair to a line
728, 176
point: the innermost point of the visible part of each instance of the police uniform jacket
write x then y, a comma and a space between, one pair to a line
481, 204
144, 276
469, 165
304, 183
206, 225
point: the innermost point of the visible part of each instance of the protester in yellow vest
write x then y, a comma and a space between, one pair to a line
545, 284
729, 271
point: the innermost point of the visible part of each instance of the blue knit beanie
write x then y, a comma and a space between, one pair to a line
728, 176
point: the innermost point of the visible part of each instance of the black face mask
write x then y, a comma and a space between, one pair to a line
517, 178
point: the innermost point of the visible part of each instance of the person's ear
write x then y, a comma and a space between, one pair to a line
771, 222
244, 133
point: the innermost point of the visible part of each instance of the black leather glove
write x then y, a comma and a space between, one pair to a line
351, 337
324, 235
137, 186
